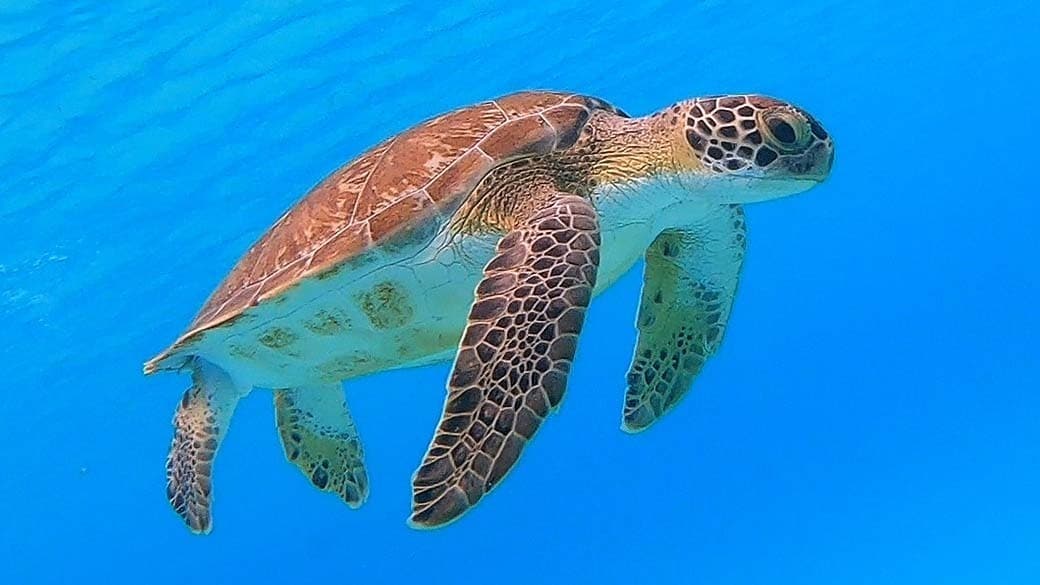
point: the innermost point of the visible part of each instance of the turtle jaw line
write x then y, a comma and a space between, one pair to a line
747, 188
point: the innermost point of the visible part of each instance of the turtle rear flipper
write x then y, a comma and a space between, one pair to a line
200, 424
320, 438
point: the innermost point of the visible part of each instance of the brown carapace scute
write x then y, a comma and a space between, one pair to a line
733, 133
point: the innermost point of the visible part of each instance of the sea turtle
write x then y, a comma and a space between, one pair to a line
483, 234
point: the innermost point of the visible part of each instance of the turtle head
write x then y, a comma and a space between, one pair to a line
746, 148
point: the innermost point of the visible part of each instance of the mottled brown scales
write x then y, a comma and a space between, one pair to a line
194, 444
328, 453
681, 319
727, 134
515, 356
199, 424
569, 191
612, 149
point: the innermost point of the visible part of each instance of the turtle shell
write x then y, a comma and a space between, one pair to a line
426, 170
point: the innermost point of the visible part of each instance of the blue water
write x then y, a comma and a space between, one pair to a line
871, 418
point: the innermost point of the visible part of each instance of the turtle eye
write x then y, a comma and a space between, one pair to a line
785, 131
782, 131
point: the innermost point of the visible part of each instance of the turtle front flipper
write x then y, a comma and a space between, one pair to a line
512, 365
320, 438
200, 424
688, 288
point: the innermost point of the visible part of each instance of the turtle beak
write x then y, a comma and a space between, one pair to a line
815, 164
830, 161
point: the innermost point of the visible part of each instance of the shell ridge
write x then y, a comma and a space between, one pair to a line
364, 186
357, 200
500, 109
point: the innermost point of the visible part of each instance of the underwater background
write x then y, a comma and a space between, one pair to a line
872, 417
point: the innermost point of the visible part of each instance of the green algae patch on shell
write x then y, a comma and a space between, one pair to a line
386, 305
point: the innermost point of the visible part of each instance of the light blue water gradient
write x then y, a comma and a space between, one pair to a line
872, 417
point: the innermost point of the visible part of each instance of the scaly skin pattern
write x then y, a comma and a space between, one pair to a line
705, 137
691, 279
515, 356
689, 286
320, 438
200, 424
373, 269
189, 468
611, 149
735, 133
